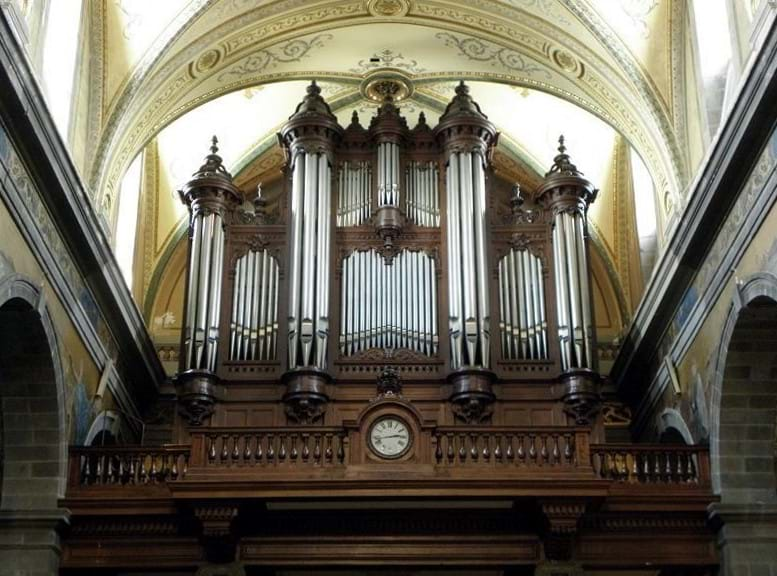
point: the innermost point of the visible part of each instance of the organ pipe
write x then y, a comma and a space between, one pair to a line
467, 260
309, 137
388, 307
354, 198
466, 136
523, 326
568, 195
421, 193
209, 195
254, 322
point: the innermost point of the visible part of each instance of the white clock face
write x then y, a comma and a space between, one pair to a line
389, 437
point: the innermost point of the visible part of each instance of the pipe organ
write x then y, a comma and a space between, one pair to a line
336, 356
386, 238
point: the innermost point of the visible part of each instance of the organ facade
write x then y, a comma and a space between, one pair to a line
397, 326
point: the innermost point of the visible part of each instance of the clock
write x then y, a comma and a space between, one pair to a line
390, 437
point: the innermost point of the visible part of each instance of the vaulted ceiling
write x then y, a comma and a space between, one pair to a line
163, 60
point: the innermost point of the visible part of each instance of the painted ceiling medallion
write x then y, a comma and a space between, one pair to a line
388, 8
378, 88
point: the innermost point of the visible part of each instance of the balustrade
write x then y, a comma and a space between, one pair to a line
643, 464
135, 465
558, 447
273, 446
552, 449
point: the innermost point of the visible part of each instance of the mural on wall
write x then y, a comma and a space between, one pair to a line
704, 308
80, 410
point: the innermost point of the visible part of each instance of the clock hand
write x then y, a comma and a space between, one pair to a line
392, 436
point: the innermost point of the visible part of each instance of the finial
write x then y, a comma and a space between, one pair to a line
562, 164
516, 201
259, 190
314, 89
214, 144
355, 117
462, 88
422, 118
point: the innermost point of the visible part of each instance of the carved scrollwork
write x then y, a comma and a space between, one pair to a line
473, 409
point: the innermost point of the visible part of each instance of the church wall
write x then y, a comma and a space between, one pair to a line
32, 249
744, 247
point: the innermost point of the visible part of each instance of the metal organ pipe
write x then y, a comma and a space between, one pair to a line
568, 194
421, 193
310, 239
354, 193
467, 253
204, 295
523, 325
254, 307
388, 307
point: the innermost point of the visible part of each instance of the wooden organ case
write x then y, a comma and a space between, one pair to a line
400, 329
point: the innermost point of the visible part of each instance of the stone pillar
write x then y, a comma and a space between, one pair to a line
30, 542
211, 198
467, 136
309, 138
567, 194
747, 537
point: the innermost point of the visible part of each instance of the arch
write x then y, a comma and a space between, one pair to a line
672, 428
33, 400
743, 396
600, 81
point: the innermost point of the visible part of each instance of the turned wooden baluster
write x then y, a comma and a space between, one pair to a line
305, 447
462, 448
437, 447
282, 450
247, 452
509, 452
328, 453
293, 453
568, 450
498, 448
270, 448
258, 453
451, 452
317, 449
341, 448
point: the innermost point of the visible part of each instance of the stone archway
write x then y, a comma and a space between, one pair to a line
744, 430
34, 444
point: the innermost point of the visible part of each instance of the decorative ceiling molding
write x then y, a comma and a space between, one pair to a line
615, 91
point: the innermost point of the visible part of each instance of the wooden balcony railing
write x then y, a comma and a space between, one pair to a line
652, 464
509, 450
507, 446
269, 447
127, 465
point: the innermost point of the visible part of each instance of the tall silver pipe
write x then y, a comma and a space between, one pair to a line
235, 302
322, 261
582, 274
481, 266
454, 262
295, 249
